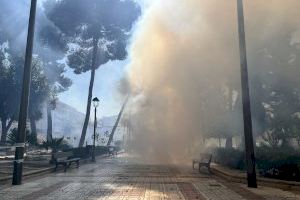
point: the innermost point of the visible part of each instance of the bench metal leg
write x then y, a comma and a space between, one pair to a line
207, 166
209, 170
65, 167
200, 167
77, 162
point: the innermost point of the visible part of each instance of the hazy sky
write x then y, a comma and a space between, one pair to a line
105, 88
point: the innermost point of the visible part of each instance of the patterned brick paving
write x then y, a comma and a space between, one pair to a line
120, 178
241, 191
189, 191
44, 191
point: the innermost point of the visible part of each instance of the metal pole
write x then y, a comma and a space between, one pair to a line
19, 154
94, 142
249, 147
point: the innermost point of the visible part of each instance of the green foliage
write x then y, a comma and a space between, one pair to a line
86, 152
101, 150
278, 162
55, 144
82, 152
229, 157
65, 146
58, 82
81, 60
9, 85
32, 139
267, 157
11, 70
12, 137
39, 89
275, 88
118, 143
50, 36
274, 162
94, 33
81, 23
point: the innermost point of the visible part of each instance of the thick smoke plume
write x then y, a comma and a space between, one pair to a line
185, 65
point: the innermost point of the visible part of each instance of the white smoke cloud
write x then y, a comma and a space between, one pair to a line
184, 56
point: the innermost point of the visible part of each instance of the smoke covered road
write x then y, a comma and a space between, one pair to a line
124, 178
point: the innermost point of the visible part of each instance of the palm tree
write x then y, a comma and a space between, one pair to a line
54, 144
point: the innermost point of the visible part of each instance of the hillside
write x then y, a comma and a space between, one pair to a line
68, 122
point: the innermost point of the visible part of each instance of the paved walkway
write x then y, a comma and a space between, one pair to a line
122, 178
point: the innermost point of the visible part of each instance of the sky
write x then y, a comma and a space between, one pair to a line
106, 85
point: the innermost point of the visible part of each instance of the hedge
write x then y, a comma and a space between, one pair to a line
281, 163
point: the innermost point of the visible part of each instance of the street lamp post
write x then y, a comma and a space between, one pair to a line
249, 147
96, 104
19, 154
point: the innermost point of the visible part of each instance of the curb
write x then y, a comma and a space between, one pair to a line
241, 178
44, 170
27, 174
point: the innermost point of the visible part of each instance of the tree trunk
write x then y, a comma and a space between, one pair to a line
111, 136
285, 142
4, 131
49, 123
242, 145
247, 117
33, 128
228, 144
90, 94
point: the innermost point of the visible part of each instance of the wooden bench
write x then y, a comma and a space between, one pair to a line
65, 159
204, 161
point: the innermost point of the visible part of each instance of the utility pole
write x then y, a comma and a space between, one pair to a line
19, 154
249, 147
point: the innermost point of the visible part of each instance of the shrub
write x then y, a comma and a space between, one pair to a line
55, 144
229, 157
280, 162
12, 137
86, 152
101, 150
267, 157
81, 152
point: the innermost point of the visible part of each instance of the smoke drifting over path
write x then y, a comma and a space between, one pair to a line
185, 62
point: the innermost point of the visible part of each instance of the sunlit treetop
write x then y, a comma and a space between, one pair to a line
81, 23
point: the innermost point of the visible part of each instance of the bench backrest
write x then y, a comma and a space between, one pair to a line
205, 158
62, 155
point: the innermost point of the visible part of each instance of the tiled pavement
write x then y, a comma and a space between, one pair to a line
122, 178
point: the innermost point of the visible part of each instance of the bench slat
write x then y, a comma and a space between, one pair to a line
65, 158
63, 154
205, 160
